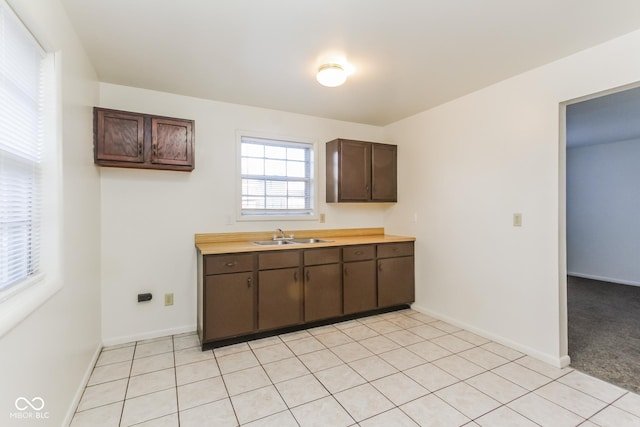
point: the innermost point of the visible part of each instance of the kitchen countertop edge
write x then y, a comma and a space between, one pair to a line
249, 246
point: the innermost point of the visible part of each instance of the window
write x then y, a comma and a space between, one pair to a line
276, 178
23, 68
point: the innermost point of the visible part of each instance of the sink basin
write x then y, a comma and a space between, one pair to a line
290, 241
274, 242
310, 240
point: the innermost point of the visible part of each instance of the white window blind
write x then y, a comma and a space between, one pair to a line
21, 142
277, 177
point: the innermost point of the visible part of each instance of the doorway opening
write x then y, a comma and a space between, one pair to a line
601, 154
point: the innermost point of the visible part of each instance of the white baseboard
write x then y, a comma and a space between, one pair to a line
603, 278
559, 362
148, 335
85, 379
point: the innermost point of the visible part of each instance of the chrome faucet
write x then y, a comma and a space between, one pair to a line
282, 235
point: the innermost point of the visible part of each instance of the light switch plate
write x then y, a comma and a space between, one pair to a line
168, 299
517, 220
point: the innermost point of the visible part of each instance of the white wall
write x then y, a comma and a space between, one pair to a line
50, 353
467, 166
603, 202
149, 217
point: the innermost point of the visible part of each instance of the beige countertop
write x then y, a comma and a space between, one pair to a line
224, 243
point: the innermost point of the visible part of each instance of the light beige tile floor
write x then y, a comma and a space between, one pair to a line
395, 369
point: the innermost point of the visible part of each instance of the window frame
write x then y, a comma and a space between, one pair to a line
240, 215
21, 299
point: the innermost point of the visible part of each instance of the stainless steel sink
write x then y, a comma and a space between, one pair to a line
290, 241
274, 242
310, 240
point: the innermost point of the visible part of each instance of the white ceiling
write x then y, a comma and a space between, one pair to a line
409, 55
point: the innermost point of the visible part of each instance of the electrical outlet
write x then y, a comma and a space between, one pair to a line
168, 299
517, 220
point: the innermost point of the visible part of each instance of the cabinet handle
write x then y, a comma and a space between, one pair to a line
248, 282
379, 266
346, 272
358, 252
139, 149
295, 276
155, 150
308, 279
230, 264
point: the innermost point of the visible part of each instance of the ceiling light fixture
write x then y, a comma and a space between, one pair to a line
331, 75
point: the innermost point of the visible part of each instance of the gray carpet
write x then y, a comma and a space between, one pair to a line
604, 330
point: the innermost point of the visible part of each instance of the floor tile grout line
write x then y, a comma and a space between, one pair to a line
175, 378
608, 383
552, 380
555, 403
275, 386
124, 398
607, 406
233, 407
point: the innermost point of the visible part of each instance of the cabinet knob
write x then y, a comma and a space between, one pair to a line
248, 282
139, 149
308, 278
230, 264
346, 272
379, 266
295, 276
358, 252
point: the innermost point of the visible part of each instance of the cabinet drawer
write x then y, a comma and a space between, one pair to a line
389, 250
358, 253
321, 256
278, 259
219, 264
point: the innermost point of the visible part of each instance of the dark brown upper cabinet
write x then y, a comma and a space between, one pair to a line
361, 171
135, 140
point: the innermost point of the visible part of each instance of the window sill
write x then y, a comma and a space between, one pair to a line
18, 305
277, 218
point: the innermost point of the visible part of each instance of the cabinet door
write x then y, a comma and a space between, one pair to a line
322, 292
359, 280
395, 281
355, 171
384, 174
229, 305
279, 298
119, 136
171, 142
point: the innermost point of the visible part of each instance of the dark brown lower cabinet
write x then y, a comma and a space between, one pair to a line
229, 301
279, 298
359, 280
247, 293
395, 281
322, 292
